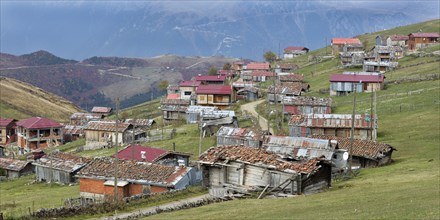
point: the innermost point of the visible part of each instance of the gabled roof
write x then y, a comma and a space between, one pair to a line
4, 122
85, 116
73, 130
151, 154
294, 88
106, 126
137, 172
339, 41
418, 34
361, 148
216, 78
11, 164
140, 121
330, 121
290, 66
241, 133
38, 122
307, 101
62, 161
258, 66
98, 109
263, 73
398, 37
292, 78
189, 83
214, 89
356, 78
258, 157
293, 48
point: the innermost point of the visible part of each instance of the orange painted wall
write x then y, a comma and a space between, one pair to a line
158, 189
97, 186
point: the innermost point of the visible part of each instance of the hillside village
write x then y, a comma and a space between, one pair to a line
296, 141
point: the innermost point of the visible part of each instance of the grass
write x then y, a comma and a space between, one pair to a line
19, 195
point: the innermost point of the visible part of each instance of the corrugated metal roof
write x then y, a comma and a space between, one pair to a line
139, 172
361, 148
98, 109
214, 89
151, 154
140, 121
258, 157
288, 88
5, 121
258, 66
11, 164
106, 126
217, 78
338, 41
245, 133
85, 116
200, 109
356, 78
38, 123
418, 34
62, 161
329, 121
73, 129
307, 101
292, 78
293, 48
189, 83
310, 147
263, 73
398, 37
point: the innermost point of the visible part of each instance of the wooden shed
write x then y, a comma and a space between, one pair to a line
248, 167
15, 168
239, 136
302, 105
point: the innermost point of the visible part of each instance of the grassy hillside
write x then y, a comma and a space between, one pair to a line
21, 100
409, 115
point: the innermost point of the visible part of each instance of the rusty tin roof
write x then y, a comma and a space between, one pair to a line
62, 161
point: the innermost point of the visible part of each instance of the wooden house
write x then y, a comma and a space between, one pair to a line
344, 84
72, 132
239, 137
173, 107
387, 53
15, 168
302, 105
211, 80
397, 40
279, 91
338, 125
421, 40
381, 40
141, 122
59, 167
294, 51
248, 94
378, 66
194, 113
96, 180
298, 148
366, 153
154, 155
106, 111
38, 133
7, 131
339, 43
227, 168
188, 90
173, 89
285, 68
263, 76
215, 95
100, 134
81, 118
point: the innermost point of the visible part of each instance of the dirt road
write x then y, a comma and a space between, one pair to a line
250, 107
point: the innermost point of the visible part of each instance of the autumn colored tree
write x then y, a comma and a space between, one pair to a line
270, 56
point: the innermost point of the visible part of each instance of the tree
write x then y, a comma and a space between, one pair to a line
270, 56
163, 85
212, 71
227, 66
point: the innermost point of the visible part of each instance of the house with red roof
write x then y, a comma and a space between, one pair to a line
343, 84
38, 133
7, 131
397, 40
294, 51
339, 43
420, 40
211, 79
255, 66
153, 155
219, 96
263, 76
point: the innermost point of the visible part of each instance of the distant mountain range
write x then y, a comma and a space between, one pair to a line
82, 29
97, 81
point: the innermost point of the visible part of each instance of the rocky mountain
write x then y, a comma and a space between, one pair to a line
97, 81
82, 29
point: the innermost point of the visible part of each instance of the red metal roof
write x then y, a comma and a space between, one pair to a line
263, 73
337, 41
398, 37
189, 83
4, 122
211, 78
356, 78
257, 66
173, 96
214, 89
38, 122
98, 109
151, 154
433, 34
293, 48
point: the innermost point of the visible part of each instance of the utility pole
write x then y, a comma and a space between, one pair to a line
132, 138
350, 161
116, 150
371, 116
375, 117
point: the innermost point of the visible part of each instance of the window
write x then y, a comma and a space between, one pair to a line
187, 93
